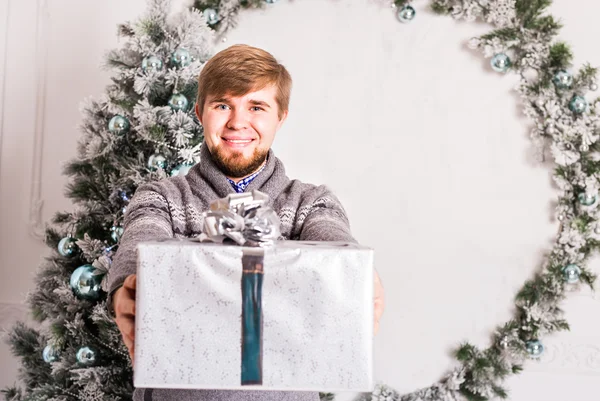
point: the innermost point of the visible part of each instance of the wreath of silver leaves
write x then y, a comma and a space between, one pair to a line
565, 119
555, 97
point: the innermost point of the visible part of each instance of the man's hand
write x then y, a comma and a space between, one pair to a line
124, 305
379, 301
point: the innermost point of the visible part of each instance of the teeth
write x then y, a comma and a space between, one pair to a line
238, 140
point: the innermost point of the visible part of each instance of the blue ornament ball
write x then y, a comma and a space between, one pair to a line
562, 79
500, 62
587, 200
578, 104
406, 13
181, 169
85, 283
535, 348
118, 125
178, 102
181, 57
157, 161
271, 1
571, 273
67, 246
50, 354
152, 64
116, 233
86, 356
211, 16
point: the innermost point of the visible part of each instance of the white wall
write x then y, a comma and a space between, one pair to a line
424, 144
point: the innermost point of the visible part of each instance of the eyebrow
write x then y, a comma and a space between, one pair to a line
252, 101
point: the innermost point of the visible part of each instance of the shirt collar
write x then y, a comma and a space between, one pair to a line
241, 186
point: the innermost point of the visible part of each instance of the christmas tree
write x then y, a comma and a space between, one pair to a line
142, 128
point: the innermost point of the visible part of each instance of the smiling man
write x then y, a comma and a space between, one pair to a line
243, 99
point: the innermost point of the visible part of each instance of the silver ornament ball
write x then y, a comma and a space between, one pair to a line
157, 161
571, 273
178, 102
211, 16
500, 62
67, 246
50, 354
151, 64
586, 199
85, 283
563, 80
118, 125
578, 104
86, 356
535, 348
406, 13
181, 57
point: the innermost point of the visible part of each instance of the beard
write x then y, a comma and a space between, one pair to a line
236, 165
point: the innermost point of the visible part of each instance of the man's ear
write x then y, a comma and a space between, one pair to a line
283, 118
198, 114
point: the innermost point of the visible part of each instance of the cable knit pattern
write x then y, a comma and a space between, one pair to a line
173, 207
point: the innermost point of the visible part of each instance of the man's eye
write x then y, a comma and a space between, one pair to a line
221, 105
257, 107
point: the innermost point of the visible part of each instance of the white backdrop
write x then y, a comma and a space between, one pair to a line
424, 144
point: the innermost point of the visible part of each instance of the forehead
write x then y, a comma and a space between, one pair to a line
266, 94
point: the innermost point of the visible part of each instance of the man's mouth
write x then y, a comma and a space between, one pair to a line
237, 142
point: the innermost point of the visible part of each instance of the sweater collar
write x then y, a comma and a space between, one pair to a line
271, 180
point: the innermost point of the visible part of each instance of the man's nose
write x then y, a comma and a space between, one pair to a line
238, 120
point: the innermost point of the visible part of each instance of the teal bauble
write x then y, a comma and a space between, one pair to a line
157, 161
271, 1
50, 354
84, 283
67, 246
406, 13
181, 169
578, 104
116, 233
152, 64
211, 16
86, 356
118, 125
535, 348
571, 273
587, 200
178, 102
500, 62
562, 79
181, 57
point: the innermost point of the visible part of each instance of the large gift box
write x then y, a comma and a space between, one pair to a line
293, 315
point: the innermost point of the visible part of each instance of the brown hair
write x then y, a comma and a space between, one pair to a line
241, 69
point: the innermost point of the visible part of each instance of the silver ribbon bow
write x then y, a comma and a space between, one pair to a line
244, 218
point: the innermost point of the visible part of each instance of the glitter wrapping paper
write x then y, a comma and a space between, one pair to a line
305, 323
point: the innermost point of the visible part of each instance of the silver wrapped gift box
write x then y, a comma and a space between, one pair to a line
295, 316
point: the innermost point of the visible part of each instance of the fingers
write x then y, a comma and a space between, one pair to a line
125, 306
126, 326
378, 302
130, 281
130, 285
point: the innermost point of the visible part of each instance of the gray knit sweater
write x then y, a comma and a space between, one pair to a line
173, 207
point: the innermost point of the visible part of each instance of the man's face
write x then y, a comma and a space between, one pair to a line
239, 131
